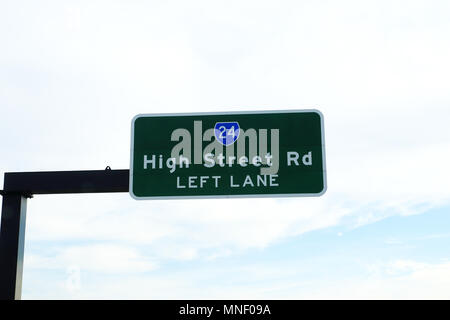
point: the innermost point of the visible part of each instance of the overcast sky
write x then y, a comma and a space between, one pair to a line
74, 73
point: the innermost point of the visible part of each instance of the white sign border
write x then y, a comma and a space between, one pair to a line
278, 195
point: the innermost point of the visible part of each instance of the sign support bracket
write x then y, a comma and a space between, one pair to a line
18, 186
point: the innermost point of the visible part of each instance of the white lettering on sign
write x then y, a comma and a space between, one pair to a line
292, 157
210, 161
193, 182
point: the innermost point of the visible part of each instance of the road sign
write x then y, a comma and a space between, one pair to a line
229, 154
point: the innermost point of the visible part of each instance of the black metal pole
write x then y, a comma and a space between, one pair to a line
12, 240
19, 186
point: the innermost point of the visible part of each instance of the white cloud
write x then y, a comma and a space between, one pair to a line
400, 279
100, 258
391, 279
178, 230
397, 279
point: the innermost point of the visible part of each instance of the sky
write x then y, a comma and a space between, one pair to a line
73, 74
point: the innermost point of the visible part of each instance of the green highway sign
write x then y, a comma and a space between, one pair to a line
229, 154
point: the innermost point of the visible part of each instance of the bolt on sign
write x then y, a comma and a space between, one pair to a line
229, 154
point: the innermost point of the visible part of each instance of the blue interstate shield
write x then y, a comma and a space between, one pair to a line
226, 132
